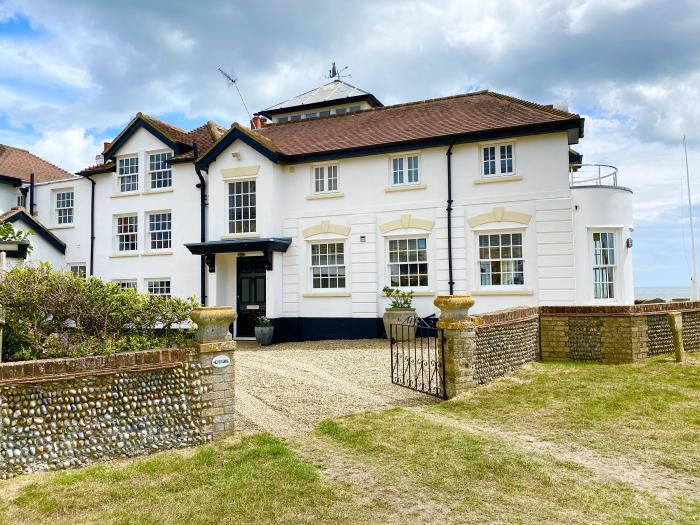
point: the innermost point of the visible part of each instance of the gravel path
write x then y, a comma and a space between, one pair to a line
288, 388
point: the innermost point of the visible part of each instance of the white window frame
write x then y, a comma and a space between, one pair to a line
498, 159
324, 170
523, 257
160, 280
404, 170
75, 265
121, 176
613, 267
126, 283
229, 208
150, 233
312, 266
57, 210
151, 173
117, 234
389, 262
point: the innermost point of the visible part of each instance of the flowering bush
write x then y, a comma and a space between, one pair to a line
49, 313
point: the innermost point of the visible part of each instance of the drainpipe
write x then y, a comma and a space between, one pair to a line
92, 225
202, 185
450, 281
31, 194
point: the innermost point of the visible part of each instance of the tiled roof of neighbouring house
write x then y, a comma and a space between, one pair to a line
336, 92
481, 111
20, 164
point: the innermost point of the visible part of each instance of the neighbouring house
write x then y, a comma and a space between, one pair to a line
329, 196
28, 182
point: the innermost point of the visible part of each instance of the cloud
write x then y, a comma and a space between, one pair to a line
71, 149
81, 68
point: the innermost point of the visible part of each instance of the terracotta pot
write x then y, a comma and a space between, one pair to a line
400, 316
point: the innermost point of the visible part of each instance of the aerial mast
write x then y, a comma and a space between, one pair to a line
694, 278
232, 79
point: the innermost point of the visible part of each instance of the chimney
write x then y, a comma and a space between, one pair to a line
258, 122
105, 145
99, 159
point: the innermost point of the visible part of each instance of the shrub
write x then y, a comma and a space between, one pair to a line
49, 313
262, 322
399, 298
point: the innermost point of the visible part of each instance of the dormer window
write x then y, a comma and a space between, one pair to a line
128, 174
497, 160
352, 109
311, 115
340, 111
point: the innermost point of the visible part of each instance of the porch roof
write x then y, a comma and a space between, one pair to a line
265, 244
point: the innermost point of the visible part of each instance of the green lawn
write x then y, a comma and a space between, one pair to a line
449, 463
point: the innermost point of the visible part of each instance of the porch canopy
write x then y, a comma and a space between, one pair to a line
266, 245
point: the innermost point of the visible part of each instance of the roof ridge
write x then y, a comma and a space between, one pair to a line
38, 158
535, 105
176, 128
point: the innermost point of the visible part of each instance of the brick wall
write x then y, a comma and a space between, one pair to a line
504, 341
615, 334
62, 413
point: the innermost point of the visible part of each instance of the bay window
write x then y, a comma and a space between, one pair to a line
604, 265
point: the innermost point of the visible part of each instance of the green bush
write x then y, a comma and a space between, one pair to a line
399, 298
49, 313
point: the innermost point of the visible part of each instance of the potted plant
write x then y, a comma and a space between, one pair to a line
263, 330
399, 312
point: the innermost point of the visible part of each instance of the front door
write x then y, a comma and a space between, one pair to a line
250, 301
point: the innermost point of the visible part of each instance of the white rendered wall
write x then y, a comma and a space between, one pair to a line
603, 208
177, 264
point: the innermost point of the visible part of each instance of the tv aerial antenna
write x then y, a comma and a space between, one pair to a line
334, 72
233, 80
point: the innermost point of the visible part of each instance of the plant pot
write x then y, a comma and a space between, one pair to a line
400, 316
263, 335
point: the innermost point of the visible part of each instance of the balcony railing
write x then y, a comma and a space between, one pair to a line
592, 175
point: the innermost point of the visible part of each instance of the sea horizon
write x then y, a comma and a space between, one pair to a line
661, 292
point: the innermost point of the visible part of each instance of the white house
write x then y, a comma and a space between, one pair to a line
306, 218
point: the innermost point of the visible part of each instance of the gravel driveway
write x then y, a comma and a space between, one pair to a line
288, 388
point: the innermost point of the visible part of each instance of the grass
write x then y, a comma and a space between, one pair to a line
487, 479
649, 411
256, 481
454, 462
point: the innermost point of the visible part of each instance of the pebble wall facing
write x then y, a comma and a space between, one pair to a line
63, 413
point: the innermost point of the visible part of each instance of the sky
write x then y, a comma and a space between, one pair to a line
74, 72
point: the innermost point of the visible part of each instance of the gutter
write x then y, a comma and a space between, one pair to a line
450, 281
202, 185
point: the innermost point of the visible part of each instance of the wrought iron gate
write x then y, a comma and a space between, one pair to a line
418, 356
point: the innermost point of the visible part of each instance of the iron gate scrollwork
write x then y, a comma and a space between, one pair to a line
418, 356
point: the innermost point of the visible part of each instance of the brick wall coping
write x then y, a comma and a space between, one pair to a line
612, 311
44, 370
510, 315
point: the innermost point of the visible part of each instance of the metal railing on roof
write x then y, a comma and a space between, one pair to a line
592, 175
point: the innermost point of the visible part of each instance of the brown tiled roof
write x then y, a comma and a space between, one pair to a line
172, 132
20, 163
205, 136
96, 169
428, 119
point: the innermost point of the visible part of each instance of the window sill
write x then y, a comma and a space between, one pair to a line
125, 194
489, 180
157, 252
405, 187
416, 293
249, 235
159, 190
62, 227
319, 196
486, 293
327, 294
120, 255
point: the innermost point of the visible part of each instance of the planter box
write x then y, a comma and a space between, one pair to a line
400, 316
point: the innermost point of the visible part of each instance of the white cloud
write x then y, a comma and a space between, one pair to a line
71, 149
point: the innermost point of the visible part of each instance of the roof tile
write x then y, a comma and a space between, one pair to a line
20, 163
